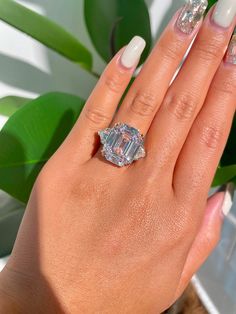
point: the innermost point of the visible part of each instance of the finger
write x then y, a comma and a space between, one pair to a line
208, 236
99, 109
187, 94
204, 146
147, 92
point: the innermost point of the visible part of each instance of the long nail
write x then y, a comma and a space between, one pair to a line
228, 200
231, 52
132, 52
191, 14
224, 12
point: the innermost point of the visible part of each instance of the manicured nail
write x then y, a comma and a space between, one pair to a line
191, 14
224, 12
228, 200
132, 52
231, 52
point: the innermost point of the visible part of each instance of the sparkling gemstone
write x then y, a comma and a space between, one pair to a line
191, 14
122, 144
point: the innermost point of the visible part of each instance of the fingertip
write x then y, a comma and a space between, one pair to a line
219, 204
214, 203
131, 54
190, 17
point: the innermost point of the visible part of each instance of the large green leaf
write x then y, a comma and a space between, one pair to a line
224, 175
229, 156
10, 104
234, 180
31, 136
11, 212
45, 31
112, 24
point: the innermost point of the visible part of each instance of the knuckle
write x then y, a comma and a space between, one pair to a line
182, 107
210, 50
211, 136
96, 117
143, 104
171, 51
114, 82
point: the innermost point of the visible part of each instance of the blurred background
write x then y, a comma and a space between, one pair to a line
28, 69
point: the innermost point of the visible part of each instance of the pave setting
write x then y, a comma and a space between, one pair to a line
191, 14
122, 144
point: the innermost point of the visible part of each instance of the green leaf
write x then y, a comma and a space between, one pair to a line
11, 212
229, 155
234, 180
9, 225
31, 136
112, 24
45, 31
211, 3
10, 104
224, 175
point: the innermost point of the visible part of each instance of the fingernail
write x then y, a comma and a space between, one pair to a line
191, 14
231, 52
224, 12
228, 200
132, 52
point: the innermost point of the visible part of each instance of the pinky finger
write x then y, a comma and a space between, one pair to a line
208, 237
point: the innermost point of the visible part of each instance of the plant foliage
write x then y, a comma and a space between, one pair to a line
36, 128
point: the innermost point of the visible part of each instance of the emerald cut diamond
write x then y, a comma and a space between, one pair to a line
122, 144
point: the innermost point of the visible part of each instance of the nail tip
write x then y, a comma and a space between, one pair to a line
191, 15
224, 13
229, 198
218, 21
140, 38
133, 51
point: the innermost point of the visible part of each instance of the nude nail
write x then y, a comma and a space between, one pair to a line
231, 51
191, 14
228, 200
132, 52
224, 12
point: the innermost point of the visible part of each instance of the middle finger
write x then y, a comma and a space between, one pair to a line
147, 92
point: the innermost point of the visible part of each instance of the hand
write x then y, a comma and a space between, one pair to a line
97, 238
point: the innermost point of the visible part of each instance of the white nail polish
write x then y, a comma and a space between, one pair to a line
133, 51
224, 12
228, 200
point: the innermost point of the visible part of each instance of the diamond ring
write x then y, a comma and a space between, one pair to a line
122, 144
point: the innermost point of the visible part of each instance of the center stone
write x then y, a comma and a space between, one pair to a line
121, 144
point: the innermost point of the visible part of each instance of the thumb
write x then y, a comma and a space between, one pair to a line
218, 206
